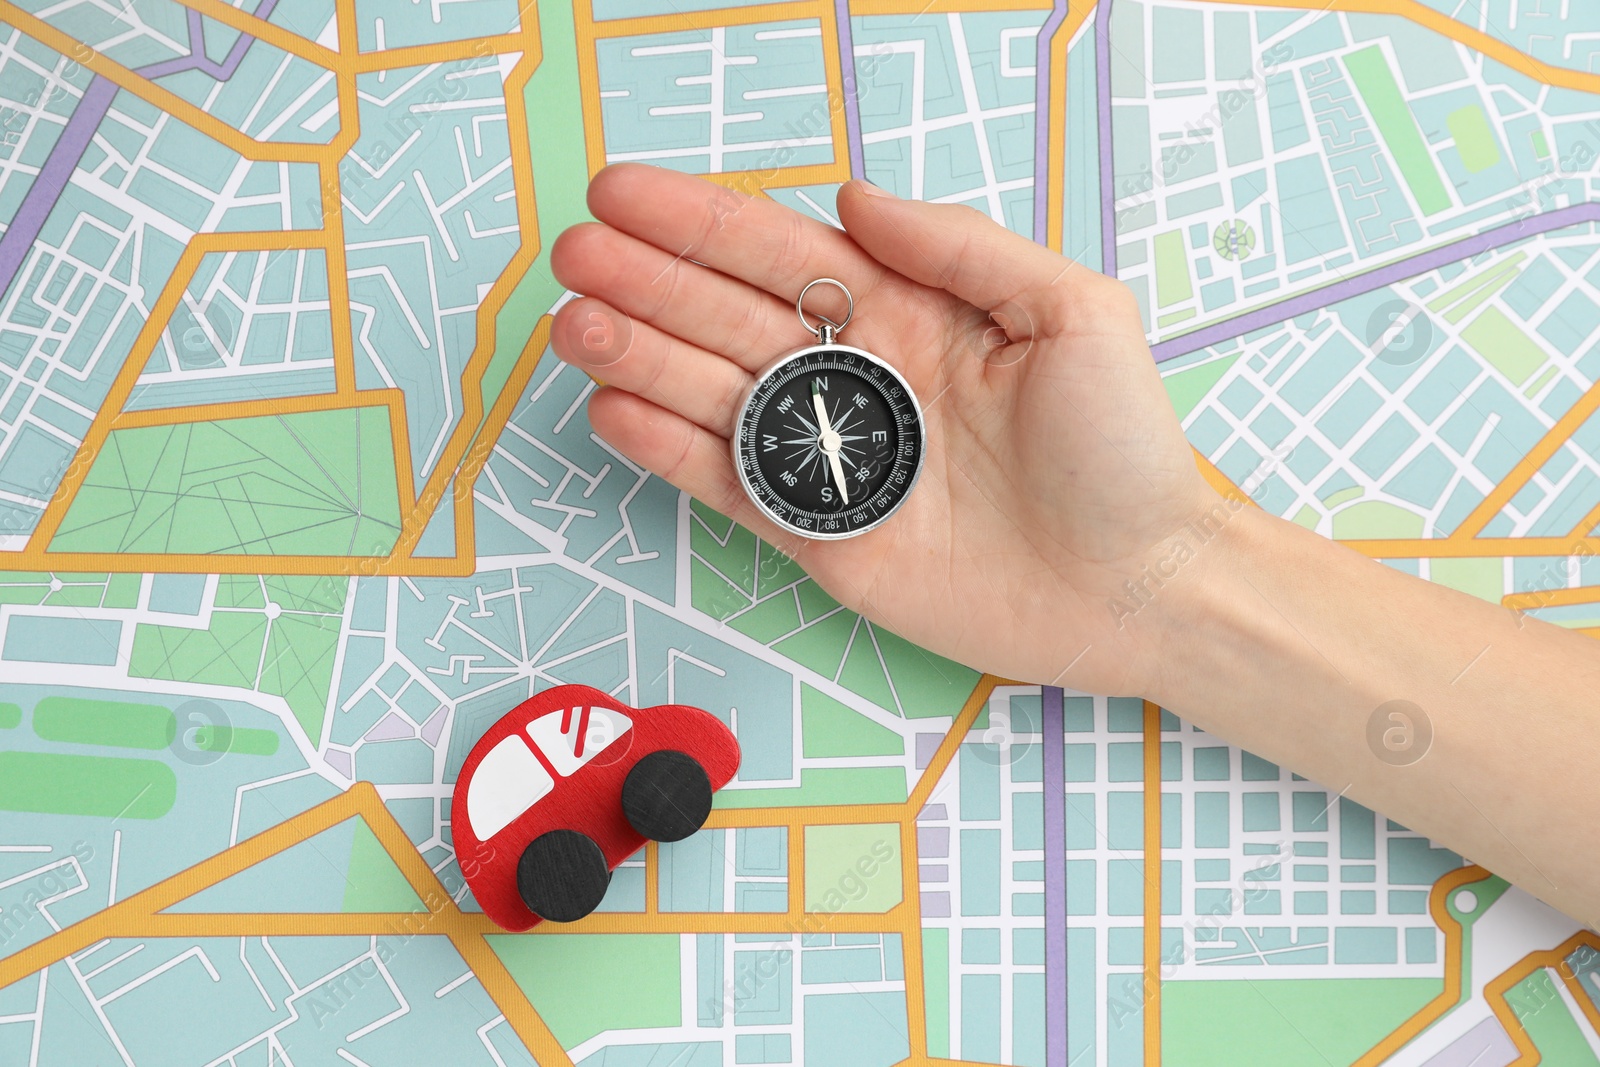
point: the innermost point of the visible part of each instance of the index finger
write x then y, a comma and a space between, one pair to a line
739, 234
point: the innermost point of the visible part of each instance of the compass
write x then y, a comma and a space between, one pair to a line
829, 441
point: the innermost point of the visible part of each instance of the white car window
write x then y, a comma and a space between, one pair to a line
573, 736
508, 782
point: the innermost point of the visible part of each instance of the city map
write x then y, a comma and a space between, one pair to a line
295, 503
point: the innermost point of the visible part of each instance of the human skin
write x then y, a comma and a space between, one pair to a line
1061, 532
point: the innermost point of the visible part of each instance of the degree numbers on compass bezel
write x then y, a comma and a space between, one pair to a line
781, 465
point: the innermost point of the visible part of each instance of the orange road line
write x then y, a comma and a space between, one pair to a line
389, 565
838, 134
270, 32
757, 182
1530, 464
1495, 991
419, 55
343, 329
161, 98
402, 852
349, 98
809, 815
1587, 524
1217, 480
1552, 598
946, 752
1473, 38
332, 203
1152, 884
283, 924
348, 91
249, 409
594, 136
652, 879
405, 478
332, 193
1473, 548
795, 841
911, 938
466, 520
1574, 985
139, 354
1056, 119
714, 922
513, 1003
1455, 979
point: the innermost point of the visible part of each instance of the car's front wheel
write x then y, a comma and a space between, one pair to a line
667, 796
562, 875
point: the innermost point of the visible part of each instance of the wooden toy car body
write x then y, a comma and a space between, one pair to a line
559, 761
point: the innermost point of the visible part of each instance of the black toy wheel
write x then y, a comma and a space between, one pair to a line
562, 876
667, 796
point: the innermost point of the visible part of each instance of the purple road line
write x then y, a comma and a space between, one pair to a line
179, 64
230, 63
852, 102
197, 58
175, 65
1041, 119
1317, 299
1108, 171
53, 176
197, 34
1053, 737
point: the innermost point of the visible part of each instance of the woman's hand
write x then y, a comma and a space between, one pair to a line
1055, 474
1055, 468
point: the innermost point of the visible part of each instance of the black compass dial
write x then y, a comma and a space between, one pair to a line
829, 442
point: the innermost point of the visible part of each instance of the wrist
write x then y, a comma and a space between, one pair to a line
1211, 622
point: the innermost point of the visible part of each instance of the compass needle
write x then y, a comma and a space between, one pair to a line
828, 440
838, 476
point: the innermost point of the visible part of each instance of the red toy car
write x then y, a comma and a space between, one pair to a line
570, 784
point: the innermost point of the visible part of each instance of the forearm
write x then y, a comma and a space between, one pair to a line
1289, 645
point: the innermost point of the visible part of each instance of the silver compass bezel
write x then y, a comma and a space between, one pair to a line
744, 408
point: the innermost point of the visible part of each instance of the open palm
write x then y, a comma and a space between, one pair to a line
1055, 470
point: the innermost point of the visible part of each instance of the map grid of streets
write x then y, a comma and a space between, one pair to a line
294, 503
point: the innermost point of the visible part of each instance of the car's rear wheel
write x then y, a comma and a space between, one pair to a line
562, 876
667, 796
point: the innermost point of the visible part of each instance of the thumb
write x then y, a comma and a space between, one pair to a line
961, 250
